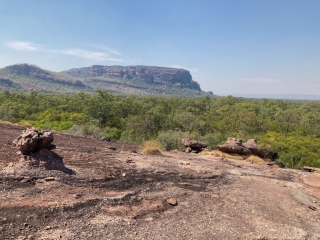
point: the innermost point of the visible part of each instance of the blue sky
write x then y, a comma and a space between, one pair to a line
229, 46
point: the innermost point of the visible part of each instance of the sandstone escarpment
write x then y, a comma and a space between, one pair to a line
149, 74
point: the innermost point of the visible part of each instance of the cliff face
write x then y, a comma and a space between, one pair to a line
148, 74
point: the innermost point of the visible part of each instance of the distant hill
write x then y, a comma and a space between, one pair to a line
26, 77
117, 79
279, 96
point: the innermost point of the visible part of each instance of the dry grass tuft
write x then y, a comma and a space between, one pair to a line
8, 123
26, 124
151, 148
255, 160
217, 153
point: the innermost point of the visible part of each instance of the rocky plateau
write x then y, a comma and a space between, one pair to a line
112, 191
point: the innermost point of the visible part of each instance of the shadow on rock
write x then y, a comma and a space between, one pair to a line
47, 159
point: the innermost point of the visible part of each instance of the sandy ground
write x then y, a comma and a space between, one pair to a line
114, 192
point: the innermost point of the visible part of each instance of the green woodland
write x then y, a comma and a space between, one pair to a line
292, 128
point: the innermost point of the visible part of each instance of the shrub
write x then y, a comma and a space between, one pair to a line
55, 125
171, 140
87, 129
25, 123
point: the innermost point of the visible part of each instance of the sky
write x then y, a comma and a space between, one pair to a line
229, 46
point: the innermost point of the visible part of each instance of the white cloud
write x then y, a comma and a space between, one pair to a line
260, 80
98, 56
192, 70
110, 50
81, 53
23, 46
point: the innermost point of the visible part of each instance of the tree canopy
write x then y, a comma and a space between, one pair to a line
290, 127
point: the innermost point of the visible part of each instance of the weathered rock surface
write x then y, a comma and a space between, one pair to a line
234, 145
214, 199
261, 151
45, 158
252, 145
32, 140
193, 145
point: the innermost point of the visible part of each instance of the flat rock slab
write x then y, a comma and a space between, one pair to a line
159, 198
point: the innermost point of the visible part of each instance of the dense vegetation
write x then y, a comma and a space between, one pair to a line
290, 127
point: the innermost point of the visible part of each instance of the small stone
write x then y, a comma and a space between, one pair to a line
25, 180
172, 201
312, 208
48, 227
50, 179
78, 195
149, 219
124, 174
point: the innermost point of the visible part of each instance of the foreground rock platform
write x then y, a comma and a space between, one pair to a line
117, 193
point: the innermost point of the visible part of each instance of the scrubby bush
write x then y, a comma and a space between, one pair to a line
87, 129
171, 140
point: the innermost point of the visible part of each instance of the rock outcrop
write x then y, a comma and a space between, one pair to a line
234, 145
193, 145
252, 145
34, 146
32, 140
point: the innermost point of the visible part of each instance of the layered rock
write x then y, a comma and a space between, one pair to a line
252, 145
234, 145
193, 145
